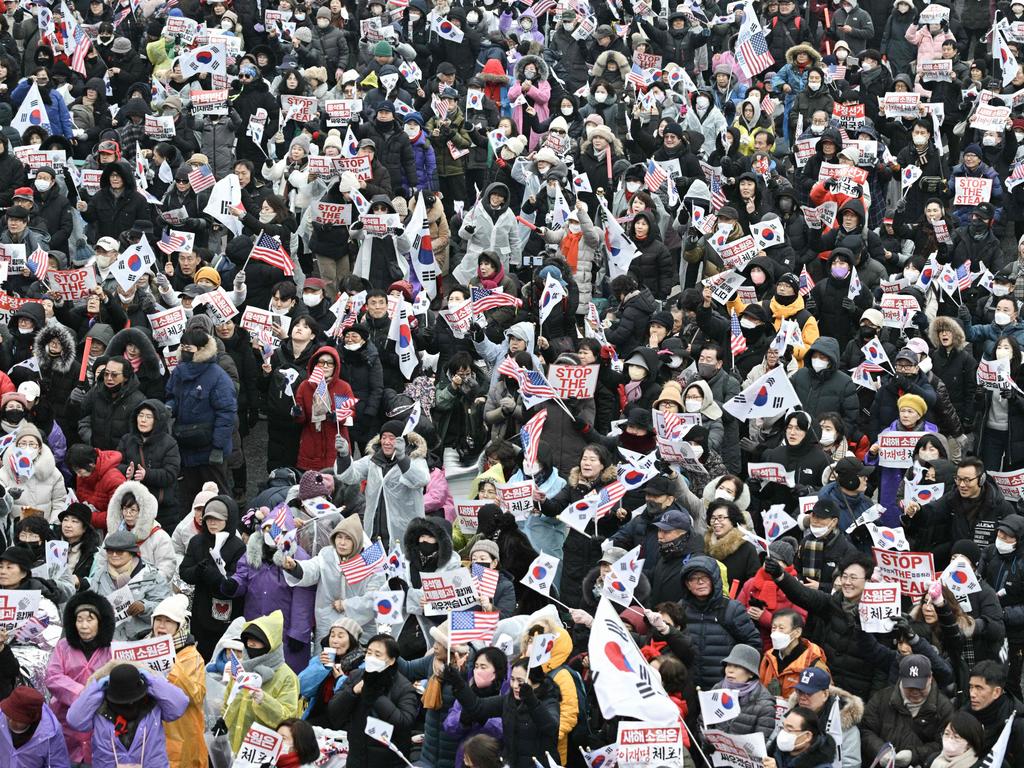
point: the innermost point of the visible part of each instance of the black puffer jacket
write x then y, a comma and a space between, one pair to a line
12, 173
109, 215
633, 316
57, 373
530, 727
715, 624
385, 695
158, 453
851, 654
55, 212
394, 151
106, 620
956, 367
150, 371
829, 390
654, 266
886, 718
363, 371
106, 418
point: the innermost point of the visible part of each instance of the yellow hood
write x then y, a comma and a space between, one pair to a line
272, 625
494, 473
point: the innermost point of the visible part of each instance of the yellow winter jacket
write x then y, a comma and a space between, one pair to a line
185, 745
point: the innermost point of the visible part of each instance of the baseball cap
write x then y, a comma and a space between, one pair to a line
850, 470
814, 680
108, 244
674, 520
915, 671
909, 355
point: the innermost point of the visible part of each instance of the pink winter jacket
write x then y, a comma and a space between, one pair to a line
66, 675
929, 47
538, 94
438, 497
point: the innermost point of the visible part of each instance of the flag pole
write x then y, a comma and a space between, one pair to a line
555, 600
449, 643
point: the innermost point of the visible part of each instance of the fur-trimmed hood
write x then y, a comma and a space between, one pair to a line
543, 71
940, 324
431, 527
208, 354
151, 365
743, 502
417, 446
106, 631
65, 361
851, 708
147, 509
601, 64
814, 56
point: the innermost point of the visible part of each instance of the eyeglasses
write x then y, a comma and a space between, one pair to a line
325, 363
699, 578
720, 519
850, 578
112, 374
965, 480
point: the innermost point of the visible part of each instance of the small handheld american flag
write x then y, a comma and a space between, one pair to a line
529, 436
806, 283
345, 408
268, 250
201, 178
485, 300
467, 626
370, 561
486, 580
654, 176
171, 242
964, 276
39, 263
752, 54
737, 341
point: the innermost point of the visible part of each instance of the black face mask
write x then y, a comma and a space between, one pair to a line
674, 547
866, 334
255, 653
13, 415
428, 552
978, 229
35, 547
785, 300
186, 357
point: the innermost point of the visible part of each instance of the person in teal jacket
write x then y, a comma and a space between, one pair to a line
327, 672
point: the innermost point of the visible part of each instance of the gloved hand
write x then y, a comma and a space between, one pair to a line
902, 381
848, 305
341, 446
810, 304
220, 728
399, 448
162, 282
903, 758
469, 228
77, 395
216, 456
773, 568
453, 677
902, 627
239, 282
901, 206
507, 404
296, 410
527, 694
747, 445
963, 314
657, 622
935, 594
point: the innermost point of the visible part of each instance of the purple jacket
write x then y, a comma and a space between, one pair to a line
46, 748
266, 591
66, 675
148, 748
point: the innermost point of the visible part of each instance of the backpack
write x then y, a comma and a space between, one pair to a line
580, 733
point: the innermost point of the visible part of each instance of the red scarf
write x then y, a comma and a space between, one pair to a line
493, 281
291, 760
571, 247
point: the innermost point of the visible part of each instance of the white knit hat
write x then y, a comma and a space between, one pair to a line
174, 608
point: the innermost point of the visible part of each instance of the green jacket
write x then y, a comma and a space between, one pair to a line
453, 129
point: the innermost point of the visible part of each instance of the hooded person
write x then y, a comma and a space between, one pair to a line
125, 710
213, 607
801, 454
186, 747
150, 455
336, 597
489, 225
327, 672
85, 648
54, 350
395, 473
277, 698
133, 508
42, 487
823, 386
30, 732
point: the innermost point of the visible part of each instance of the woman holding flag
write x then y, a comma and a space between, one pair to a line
316, 409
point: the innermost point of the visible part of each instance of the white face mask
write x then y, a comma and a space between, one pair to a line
1003, 353
748, 323
780, 640
42, 185
702, 103
951, 748
373, 664
989, 141
353, 347
566, 111
820, 531
698, 450
911, 275
226, 24
1000, 318
817, 130
1000, 290
928, 454
637, 373
414, 17
785, 741
574, 228
323, 23
412, 130
1002, 547
721, 493
632, 186
828, 436
920, 141
266, 218
693, 406
925, 365
818, 364
600, 97
311, 299
867, 66
1019, 135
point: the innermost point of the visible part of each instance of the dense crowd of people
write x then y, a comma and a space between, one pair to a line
512, 383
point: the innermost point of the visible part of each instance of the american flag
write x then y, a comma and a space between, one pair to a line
609, 497
806, 283
370, 561
718, 198
316, 378
268, 250
542, 6
529, 436
467, 626
964, 276
439, 107
171, 242
637, 76
533, 384
486, 580
39, 262
82, 45
768, 105
836, 72
752, 54
344, 407
737, 341
1016, 176
201, 178
485, 299
236, 667
655, 176
509, 367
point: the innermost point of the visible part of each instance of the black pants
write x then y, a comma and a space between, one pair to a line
452, 188
192, 479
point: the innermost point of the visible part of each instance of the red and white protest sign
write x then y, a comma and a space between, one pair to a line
971, 190
770, 472
879, 602
459, 317
168, 326
448, 591
849, 116
573, 382
989, 118
71, 284
35, 158
733, 750
341, 111
897, 309
255, 319
332, 214
1010, 483
219, 305
737, 253
299, 108
803, 150
261, 746
643, 744
17, 607
896, 449
213, 102
467, 513
913, 571
516, 498
359, 165
157, 653
992, 374
936, 70
896, 105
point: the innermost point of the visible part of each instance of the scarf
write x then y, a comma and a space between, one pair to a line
571, 248
812, 557
321, 405
135, 363
633, 390
743, 690
966, 760
493, 281
121, 576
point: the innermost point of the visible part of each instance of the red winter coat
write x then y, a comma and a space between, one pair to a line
316, 444
765, 589
97, 488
